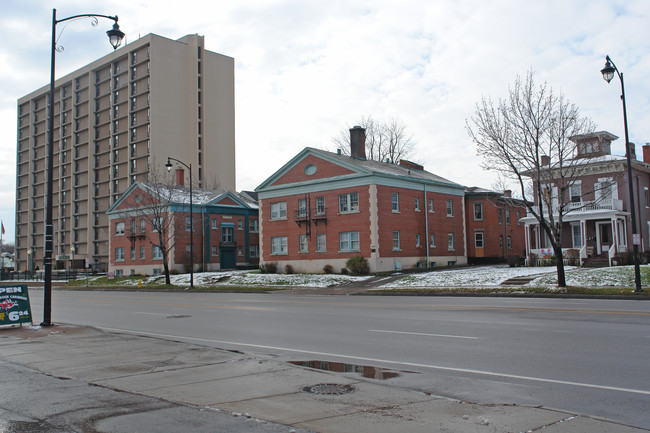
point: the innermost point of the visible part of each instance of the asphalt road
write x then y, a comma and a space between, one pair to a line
588, 356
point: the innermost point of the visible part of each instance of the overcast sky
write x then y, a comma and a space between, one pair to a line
307, 69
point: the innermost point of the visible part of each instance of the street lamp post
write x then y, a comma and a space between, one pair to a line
608, 74
189, 167
115, 36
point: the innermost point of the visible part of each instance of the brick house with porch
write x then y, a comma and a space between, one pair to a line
225, 230
322, 208
598, 224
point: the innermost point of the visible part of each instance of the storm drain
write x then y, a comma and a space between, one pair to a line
329, 389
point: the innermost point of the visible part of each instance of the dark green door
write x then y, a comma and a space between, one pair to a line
228, 258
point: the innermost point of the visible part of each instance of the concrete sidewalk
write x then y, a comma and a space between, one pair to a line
260, 388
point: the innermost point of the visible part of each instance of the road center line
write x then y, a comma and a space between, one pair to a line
385, 361
422, 333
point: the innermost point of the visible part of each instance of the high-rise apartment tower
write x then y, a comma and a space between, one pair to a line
116, 121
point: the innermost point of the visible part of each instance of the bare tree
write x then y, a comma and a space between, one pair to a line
384, 141
528, 137
152, 203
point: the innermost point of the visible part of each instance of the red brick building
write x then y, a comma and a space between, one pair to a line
494, 231
322, 208
225, 230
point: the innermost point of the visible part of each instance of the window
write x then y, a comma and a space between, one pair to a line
156, 252
240, 250
320, 205
302, 207
349, 241
417, 204
478, 211
500, 215
119, 254
507, 217
478, 239
450, 242
279, 210
576, 235
395, 202
575, 193
215, 223
509, 243
501, 241
417, 240
450, 208
240, 225
321, 242
142, 252
432, 242
119, 228
396, 244
227, 234
132, 253
215, 250
302, 244
431, 205
254, 250
645, 196
349, 202
254, 226
188, 223
279, 245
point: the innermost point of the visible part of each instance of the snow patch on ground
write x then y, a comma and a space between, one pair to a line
255, 278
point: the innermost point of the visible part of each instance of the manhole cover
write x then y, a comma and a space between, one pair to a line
329, 389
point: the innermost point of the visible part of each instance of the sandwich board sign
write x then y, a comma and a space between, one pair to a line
14, 305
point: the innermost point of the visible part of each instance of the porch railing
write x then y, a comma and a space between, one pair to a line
586, 206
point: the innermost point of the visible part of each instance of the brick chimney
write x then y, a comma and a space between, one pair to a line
358, 142
180, 177
632, 151
412, 165
646, 153
546, 160
507, 193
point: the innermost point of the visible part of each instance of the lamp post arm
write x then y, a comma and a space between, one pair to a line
86, 16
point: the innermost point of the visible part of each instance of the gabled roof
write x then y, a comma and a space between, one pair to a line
352, 167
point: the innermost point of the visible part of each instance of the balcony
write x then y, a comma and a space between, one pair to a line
586, 206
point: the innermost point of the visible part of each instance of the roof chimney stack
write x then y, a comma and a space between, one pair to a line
358, 142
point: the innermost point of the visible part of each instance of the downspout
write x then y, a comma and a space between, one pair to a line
426, 224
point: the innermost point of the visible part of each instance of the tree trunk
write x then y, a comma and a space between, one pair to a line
559, 264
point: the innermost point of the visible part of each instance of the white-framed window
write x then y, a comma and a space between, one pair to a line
215, 250
500, 215
156, 252
227, 234
396, 243
395, 202
321, 242
450, 208
303, 246
576, 235
478, 239
432, 241
431, 205
646, 197
142, 252
349, 241
279, 210
417, 204
156, 272
320, 205
349, 202
478, 211
240, 225
417, 240
279, 245
254, 226
302, 207
132, 253
254, 250
605, 189
240, 250
509, 240
119, 254
575, 192
156, 224
507, 217
188, 223
119, 228
450, 242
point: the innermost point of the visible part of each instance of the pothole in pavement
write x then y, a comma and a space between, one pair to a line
366, 371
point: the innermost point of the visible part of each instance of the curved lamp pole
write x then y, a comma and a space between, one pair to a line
115, 37
608, 74
189, 167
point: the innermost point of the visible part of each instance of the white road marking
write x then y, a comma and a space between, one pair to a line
423, 334
385, 361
